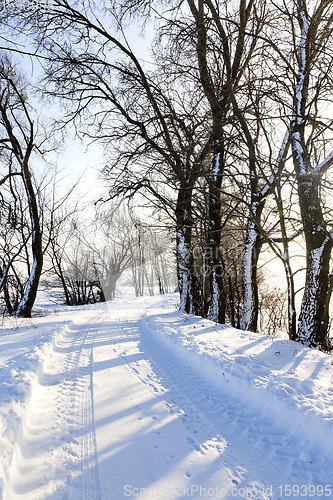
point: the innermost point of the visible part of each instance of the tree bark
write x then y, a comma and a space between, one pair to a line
189, 289
314, 316
27, 301
253, 244
214, 267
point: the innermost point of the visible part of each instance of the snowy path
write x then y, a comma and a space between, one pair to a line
113, 411
158, 440
58, 446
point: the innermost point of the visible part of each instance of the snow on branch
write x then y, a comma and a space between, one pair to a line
325, 164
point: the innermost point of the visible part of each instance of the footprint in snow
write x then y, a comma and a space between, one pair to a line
194, 445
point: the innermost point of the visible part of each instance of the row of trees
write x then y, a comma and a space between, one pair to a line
89, 259
43, 236
226, 131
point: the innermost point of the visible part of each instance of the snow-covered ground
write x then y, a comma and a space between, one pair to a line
133, 399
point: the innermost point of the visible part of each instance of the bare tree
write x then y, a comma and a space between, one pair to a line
18, 139
229, 95
101, 75
311, 26
110, 245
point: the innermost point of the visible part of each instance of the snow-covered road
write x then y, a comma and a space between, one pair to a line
134, 400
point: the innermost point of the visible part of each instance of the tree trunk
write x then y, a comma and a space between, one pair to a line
27, 301
187, 281
231, 301
214, 267
314, 315
253, 243
292, 331
58, 270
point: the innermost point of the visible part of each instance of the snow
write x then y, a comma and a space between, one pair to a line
298, 150
251, 238
216, 167
135, 399
325, 164
214, 301
313, 284
298, 117
30, 283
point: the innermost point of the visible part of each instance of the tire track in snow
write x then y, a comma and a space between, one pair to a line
90, 476
81, 440
57, 456
228, 425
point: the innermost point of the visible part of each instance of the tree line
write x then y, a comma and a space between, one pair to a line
224, 128
43, 236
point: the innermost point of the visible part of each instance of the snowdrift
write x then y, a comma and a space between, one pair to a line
279, 393
280, 382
